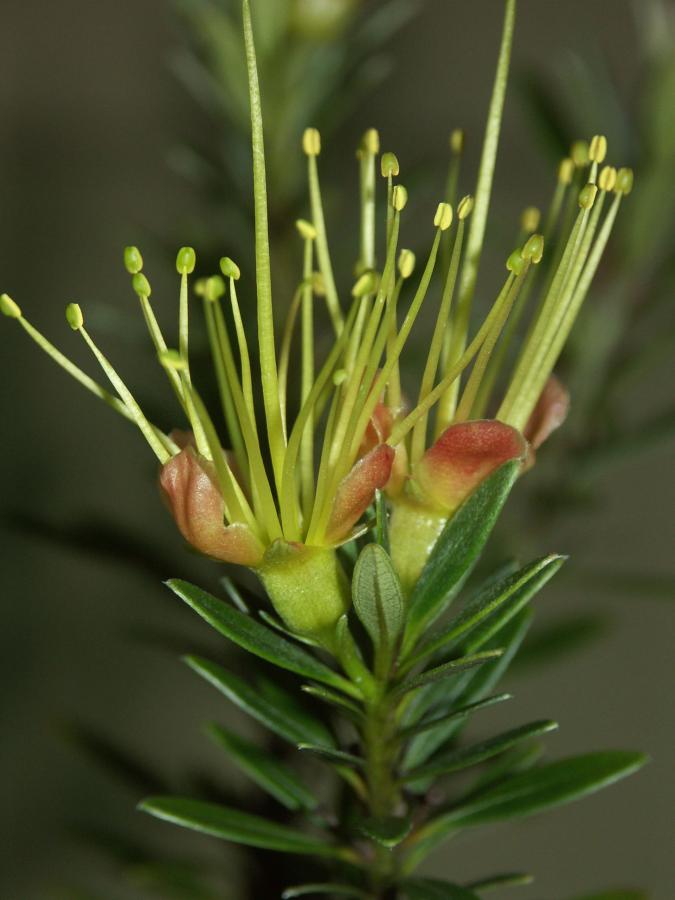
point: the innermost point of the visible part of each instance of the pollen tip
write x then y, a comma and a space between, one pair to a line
311, 142
597, 150
579, 153
529, 219
406, 263
389, 165
399, 197
457, 141
9, 308
443, 217
587, 195
141, 285
566, 170
74, 316
306, 229
624, 181
229, 268
186, 260
464, 207
133, 261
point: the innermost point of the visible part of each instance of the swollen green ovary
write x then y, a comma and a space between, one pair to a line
413, 531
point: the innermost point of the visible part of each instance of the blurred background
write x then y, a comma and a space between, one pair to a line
111, 135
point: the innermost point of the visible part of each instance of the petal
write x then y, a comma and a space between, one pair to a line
549, 413
462, 457
189, 487
356, 491
378, 430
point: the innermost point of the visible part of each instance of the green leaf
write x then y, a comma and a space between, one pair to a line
233, 825
432, 889
341, 890
381, 521
460, 713
520, 759
256, 638
388, 831
448, 669
279, 711
332, 698
507, 879
263, 768
377, 595
328, 754
517, 588
456, 551
349, 654
530, 792
463, 757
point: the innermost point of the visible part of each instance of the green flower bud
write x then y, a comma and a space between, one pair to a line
306, 229
406, 263
141, 285
598, 148
516, 263
529, 219
566, 171
443, 217
399, 197
587, 196
389, 165
9, 308
624, 181
311, 142
464, 207
229, 268
74, 316
579, 153
133, 261
185, 261
534, 248
214, 288
607, 178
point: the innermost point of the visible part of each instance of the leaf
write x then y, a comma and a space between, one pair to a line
328, 754
456, 551
341, 890
460, 713
332, 698
517, 588
233, 825
280, 713
256, 638
454, 667
377, 595
530, 792
388, 831
381, 521
521, 758
263, 768
433, 889
507, 879
463, 757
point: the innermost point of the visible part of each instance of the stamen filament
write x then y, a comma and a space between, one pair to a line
370, 147
306, 382
244, 358
285, 350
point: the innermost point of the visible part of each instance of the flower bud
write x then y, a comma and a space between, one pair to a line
534, 248
133, 261
529, 219
141, 285
185, 261
607, 178
516, 263
579, 154
74, 316
306, 229
624, 181
464, 207
566, 171
311, 142
399, 197
229, 268
443, 217
389, 165
587, 196
598, 148
406, 263
9, 308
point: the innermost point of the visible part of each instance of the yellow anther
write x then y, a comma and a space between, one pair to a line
607, 178
318, 284
141, 285
457, 141
306, 229
399, 197
74, 316
598, 148
186, 260
389, 165
229, 268
529, 219
443, 217
214, 288
9, 308
624, 181
516, 262
587, 196
406, 263
311, 142
464, 207
133, 261
534, 248
579, 153
370, 142
339, 376
366, 284
566, 170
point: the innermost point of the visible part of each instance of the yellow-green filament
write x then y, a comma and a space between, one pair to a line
322, 251
306, 382
244, 358
285, 351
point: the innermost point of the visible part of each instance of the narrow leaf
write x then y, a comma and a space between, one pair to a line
448, 669
263, 768
432, 889
233, 825
332, 698
456, 551
280, 713
507, 879
328, 754
463, 757
460, 713
377, 594
249, 634
388, 831
339, 890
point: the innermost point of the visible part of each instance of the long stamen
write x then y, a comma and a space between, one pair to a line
390, 168
307, 374
311, 144
268, 362
244, 359
185, 265
406, 267
285, 350
76, 322
367, 153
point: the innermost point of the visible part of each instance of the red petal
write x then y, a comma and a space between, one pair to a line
378, 430
356, 491
549, 413
462, 457
188, 484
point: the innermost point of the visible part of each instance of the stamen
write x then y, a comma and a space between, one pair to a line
285, 350
185, 264
244, 357
370, 147
76, 321
311, 144
457, 142
406, 267
307, 373
390, 169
